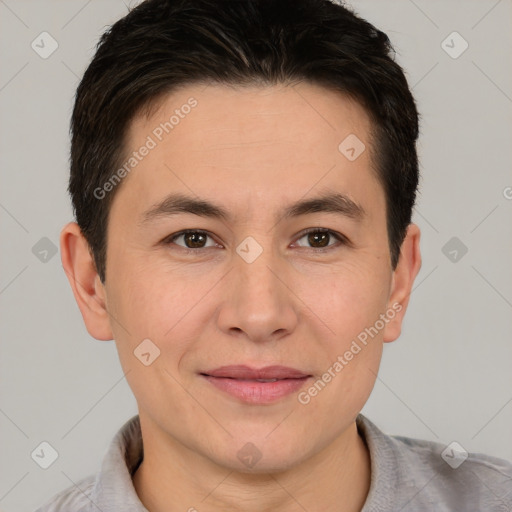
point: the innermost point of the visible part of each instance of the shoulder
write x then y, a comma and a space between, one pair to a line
454, 462
454, 470
429, 475
111, 488
76, 498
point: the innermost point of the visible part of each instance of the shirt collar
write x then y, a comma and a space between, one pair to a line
113, 489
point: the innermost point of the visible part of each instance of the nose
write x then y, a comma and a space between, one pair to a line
259, 303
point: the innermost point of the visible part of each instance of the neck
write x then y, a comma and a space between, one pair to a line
173, 478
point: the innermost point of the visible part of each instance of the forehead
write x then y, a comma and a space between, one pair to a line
241, 113
271, 141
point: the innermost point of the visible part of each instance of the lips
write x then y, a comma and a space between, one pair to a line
256, 386
246, 373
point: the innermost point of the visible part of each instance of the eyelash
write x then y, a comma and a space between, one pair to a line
342, 240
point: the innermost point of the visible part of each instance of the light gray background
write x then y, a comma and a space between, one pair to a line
449, 375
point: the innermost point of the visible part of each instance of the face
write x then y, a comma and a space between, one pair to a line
277, 277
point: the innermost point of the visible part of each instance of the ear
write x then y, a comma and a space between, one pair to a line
407, 269
85, 282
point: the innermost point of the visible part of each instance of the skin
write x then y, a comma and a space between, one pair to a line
252, 150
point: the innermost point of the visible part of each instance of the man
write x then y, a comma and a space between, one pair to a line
243, 175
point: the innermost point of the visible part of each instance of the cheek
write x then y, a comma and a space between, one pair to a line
351, 306
348, 298
350, 303
160, 304
149, 306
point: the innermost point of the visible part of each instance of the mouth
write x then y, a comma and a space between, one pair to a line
257, 386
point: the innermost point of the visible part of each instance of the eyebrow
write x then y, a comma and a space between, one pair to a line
177, 203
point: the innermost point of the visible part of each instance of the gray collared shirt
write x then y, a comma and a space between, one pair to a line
406, 475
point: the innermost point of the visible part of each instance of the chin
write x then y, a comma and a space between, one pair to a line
262, 457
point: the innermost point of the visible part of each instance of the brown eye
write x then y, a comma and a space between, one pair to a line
194, 240
190, 239
320, 238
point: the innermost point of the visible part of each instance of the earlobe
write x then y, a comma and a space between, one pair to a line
87, 288
402, 282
